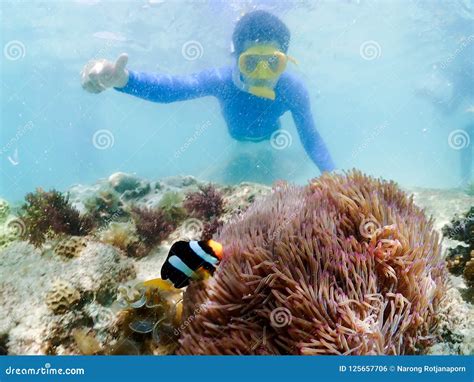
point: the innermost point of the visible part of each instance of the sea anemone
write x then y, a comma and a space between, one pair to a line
346, 265
205, 203
49, 213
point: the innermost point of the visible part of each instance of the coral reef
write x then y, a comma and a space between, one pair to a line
62, 297
460, 259
210, 228
469, 271
346, 265
122, 236
26, 277
8, 233
104, 206
151, 224
150, 315
171, 204
87, 342
129, 186
70, 247
100, 272
46, 214
4, 210
204, 204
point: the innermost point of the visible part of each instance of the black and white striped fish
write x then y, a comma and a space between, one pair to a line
191, 260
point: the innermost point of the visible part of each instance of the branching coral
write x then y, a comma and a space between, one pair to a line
205, 203
210, 228
345, 265
48, 213
151, 224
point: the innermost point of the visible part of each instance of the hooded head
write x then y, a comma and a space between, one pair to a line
260, 27
260, 42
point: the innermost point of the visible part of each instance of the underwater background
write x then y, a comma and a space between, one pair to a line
97, 189
391, 84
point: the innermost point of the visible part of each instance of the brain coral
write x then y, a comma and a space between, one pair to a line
345, 265
70, 247
62, 297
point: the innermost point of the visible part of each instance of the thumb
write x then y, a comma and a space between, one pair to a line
121, 62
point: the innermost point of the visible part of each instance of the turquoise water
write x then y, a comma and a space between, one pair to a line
390, 83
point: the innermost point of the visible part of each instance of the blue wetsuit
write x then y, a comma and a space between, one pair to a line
248, 117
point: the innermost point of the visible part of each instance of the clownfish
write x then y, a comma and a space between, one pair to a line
191, 260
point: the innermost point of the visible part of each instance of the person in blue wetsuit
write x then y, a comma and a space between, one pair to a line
253, 93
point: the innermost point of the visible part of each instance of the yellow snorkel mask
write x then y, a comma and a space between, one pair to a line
261, 65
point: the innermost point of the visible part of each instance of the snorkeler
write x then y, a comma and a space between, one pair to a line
253, 93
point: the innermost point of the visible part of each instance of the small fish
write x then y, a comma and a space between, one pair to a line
191, 260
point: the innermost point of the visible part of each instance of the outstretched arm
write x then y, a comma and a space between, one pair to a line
166, 88
310, 138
